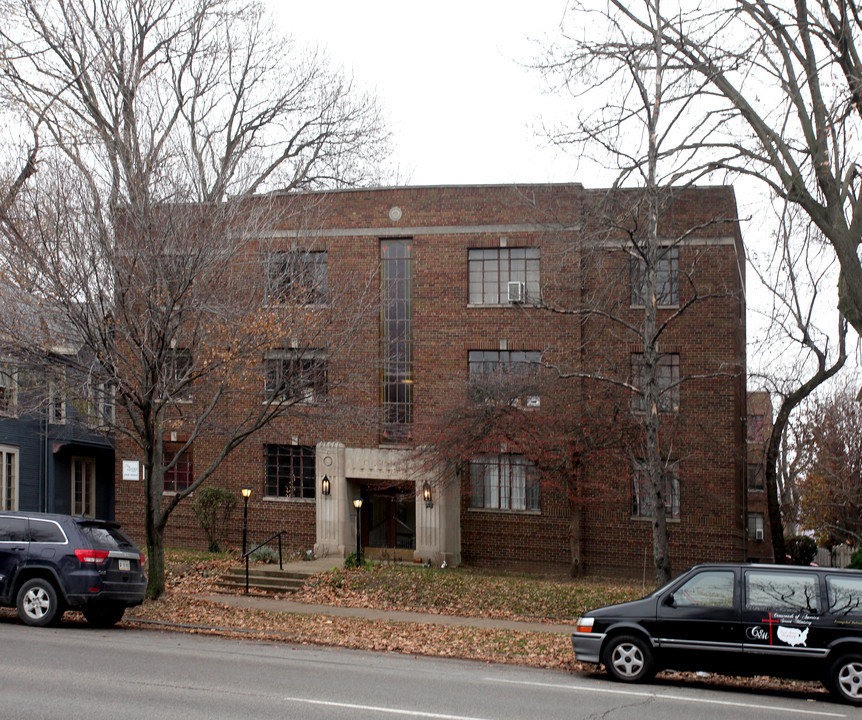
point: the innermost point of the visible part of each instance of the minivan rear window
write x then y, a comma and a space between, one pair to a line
766, 590
106, 537
845, 595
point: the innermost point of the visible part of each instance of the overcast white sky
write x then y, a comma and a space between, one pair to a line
461, 109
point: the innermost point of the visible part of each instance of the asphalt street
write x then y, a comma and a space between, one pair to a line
74, 671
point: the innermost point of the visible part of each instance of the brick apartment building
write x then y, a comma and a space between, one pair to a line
759, 430
482, 410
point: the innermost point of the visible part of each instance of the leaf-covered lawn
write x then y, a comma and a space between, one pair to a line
463, 592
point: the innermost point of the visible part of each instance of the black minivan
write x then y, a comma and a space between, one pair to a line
52, 563
736, 619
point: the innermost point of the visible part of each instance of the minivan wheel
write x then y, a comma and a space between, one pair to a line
845, 678
37, 603
628, 659
104, 616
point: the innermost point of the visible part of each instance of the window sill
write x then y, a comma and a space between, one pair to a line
642, 518
660, 306
277, 499
503, 305
504, 511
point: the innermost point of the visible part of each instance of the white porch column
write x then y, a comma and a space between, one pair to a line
335, 520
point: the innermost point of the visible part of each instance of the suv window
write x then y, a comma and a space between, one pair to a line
105, 537
845, 595
781, 591
708, 589
13, 529
45, 531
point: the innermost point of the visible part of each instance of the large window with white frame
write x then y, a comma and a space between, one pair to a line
503, 481
499, 276
8, 477
84, 486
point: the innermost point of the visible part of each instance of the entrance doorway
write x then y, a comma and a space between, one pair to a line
389, 523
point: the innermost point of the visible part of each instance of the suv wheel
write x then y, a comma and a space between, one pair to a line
37, 602
103, 615
845, 678
628, 659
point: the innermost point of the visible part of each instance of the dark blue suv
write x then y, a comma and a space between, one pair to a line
53, 563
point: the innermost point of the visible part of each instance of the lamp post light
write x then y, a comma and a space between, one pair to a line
246, 494
357, 503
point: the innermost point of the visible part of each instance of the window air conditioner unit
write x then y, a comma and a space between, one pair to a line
516, 292
758, 534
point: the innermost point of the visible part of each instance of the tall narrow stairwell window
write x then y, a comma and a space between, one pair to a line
396, 340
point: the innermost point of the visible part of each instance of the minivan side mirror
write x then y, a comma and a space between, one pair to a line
669, 600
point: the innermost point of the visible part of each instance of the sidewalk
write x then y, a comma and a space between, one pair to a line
319, 565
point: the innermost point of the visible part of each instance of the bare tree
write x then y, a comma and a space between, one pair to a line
797, 355
162, 118
640, 123
785, 77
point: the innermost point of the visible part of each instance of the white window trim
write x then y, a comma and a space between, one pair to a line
4, 480
88, 490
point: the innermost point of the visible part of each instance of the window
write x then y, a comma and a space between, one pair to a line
56, 409
755, 476
8, 391
46, 531
296, 376
178, 365
503, 482
642, 496
8, 478
290, 471
179, 467
84, 486
667, 277
298, 276
492, 269
707, 589
396, 340
755, 526
755, 428
13, 529
845, 595
797, 592
667, 379
507, 376
101, 404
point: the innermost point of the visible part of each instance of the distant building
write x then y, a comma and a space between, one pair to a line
53, 455
759, 430
457, 278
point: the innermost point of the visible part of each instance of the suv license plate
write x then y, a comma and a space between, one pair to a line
125, 565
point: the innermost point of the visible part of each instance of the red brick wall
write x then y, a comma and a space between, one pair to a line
706, 436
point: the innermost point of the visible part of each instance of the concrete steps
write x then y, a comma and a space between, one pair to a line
264, 578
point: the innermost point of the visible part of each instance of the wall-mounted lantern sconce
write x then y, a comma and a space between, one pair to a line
324, 485
426, 493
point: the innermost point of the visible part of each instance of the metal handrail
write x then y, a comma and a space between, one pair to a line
257, 547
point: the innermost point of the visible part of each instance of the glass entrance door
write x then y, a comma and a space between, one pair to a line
391, 518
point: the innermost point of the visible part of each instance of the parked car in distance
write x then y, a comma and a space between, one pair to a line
53, 563
736, 619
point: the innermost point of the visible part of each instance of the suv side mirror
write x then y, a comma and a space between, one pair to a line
669, 600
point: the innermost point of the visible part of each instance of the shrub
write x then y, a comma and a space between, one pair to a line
213, 506
264, 554
856, 560
801, 549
